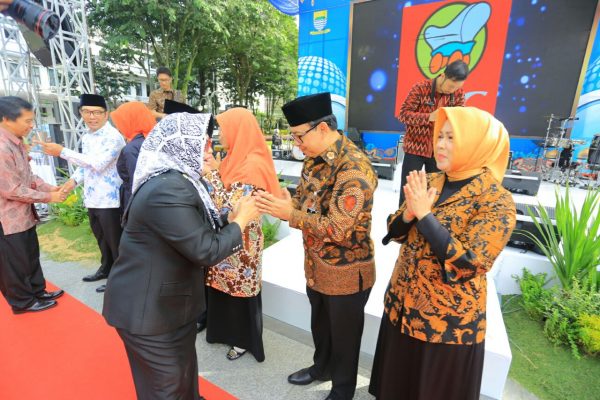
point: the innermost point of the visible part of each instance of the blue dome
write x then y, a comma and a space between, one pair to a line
318, 74
592, 77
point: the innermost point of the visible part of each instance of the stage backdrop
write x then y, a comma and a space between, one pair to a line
323, 51
525, 56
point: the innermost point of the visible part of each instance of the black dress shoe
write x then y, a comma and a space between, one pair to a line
51, 295
39, 305
95, 277
302, 377
101, 289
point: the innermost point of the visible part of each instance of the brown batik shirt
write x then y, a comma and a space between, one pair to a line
156, 102
333, 205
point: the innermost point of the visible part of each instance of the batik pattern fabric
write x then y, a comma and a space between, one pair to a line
447, 303
156, 100
240, 274
19, 187
414, 114
97, 166
333, 204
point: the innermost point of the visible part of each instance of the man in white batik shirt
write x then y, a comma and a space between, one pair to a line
101, 146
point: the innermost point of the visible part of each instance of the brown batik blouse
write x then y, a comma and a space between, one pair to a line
333, 205
443, 299
240, 274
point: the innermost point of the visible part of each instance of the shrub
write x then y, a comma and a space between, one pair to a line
570, 316
71, 212
269, 230
589, 333
577, 254
534, 297
564, 311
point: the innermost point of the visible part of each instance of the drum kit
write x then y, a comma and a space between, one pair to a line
555, 157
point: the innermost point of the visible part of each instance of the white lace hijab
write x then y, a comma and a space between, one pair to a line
176, 143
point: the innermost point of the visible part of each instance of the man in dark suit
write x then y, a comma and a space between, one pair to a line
155, 291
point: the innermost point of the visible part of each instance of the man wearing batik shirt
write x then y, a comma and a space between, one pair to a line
21, 278
418, 114
97, 170
156, 101
332, 206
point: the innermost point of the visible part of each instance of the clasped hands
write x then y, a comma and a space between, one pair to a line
277, 207
60, 193
419, 199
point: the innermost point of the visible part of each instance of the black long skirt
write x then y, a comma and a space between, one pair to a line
405, 368
235, 321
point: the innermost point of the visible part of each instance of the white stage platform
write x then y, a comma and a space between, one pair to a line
284, 285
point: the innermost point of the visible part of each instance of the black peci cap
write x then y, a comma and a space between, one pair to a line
307, 108
172, 107
93, 100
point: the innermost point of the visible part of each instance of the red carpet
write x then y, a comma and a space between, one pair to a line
68, 352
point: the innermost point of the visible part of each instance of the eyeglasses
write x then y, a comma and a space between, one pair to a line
95, 113
299, 136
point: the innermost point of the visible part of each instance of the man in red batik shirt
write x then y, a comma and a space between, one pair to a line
418, 114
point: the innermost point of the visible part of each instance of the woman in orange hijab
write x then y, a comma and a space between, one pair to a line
234, 315
135, 122
452, 226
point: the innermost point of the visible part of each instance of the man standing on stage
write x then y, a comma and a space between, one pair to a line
156, 101
97, 163
418, 114
332, 207
21, 278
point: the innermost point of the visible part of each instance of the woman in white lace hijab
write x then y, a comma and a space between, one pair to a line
172, 234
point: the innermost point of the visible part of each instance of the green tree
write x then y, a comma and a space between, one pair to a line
172, 31
246, 47
260, 43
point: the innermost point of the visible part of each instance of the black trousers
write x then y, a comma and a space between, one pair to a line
164, 367
106, 225
413, 162
337, 325
21, 276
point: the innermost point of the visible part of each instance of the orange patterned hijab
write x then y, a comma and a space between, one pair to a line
248, 159
133, 118
480, 141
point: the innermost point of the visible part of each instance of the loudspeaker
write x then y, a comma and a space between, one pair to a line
384, 170
355, 136
594, 152
522, 182
525, 223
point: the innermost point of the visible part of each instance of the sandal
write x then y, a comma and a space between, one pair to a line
234, 353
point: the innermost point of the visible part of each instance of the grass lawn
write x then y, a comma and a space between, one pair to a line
68, 243
550, 372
